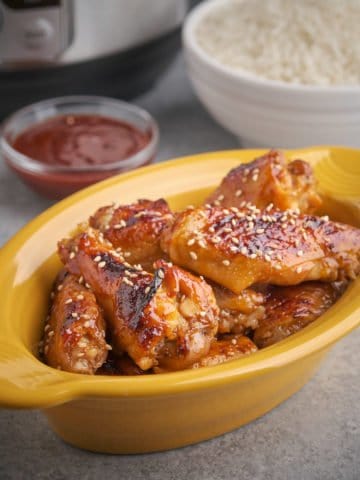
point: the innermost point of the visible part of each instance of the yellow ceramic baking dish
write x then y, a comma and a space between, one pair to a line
142, 414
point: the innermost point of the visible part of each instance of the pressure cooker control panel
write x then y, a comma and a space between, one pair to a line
34, 31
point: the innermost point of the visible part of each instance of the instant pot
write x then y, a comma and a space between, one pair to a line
64, 47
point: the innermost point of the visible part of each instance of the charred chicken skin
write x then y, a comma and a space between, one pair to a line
238, 248
168, 318
290, 309
74, 338
135, 229
269, 179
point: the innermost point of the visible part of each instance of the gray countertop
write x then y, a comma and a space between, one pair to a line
313, 435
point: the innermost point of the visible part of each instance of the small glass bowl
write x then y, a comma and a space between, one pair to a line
55, 181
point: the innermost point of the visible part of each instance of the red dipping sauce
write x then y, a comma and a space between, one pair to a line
65, 153
80, 141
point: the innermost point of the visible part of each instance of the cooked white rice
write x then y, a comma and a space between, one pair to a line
297, 41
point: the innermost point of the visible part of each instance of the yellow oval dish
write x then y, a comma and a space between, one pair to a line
158, 412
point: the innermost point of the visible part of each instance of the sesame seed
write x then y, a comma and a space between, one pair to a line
80, 297
202, 314
108, 347
101, 264
193, 255
235, 240
233, 222
216, 203
226, 211
69, 300
87, 324
267, 257
212, 230
298, 269
202, 243
207, 205
97, 258
74, 315
147, 290
238, 193
216, 239
226, 263
220, 198
244, 251
233, 341
278, 267
325, 218
255, 177
81, 279
127, 254
228, 230
300, 253
46, 328
128, 282
253, 255
87, 285
72, 255
260, 230
191, 241
269, 207
59, 288
233, 249
161, 273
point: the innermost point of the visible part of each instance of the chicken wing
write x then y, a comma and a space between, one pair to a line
169, 318
74, 338
239, 248
269, 179
290, 309
135, 228
227, 347
238, 312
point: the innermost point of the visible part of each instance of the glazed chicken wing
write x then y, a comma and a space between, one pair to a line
167, 319
238, 312
239, 248
290, 309
135, 228
226, 348
74, 338
269, 179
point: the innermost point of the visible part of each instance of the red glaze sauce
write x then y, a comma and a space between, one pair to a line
80, 140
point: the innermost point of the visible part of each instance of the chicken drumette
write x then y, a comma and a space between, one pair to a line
290, 309
135, 229
269, 179
168, 318
74, 336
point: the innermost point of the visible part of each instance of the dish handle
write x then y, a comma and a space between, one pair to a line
25, 382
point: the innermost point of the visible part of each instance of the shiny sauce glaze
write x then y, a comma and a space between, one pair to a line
80, 140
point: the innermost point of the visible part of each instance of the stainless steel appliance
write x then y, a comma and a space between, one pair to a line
109, 47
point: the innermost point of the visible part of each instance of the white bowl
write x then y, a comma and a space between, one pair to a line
267, 112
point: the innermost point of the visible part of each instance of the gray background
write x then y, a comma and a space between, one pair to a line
314, 435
